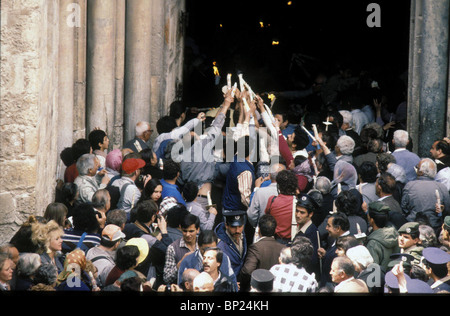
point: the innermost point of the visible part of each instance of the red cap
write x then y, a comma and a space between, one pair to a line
130, 165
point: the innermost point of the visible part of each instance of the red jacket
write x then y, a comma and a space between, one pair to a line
281, 207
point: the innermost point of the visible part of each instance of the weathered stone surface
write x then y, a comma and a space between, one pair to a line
43, 79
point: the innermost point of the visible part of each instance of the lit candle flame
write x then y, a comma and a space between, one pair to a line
271, 96
275, 43
261, 23
215, 69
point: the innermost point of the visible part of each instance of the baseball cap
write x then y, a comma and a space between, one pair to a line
130, 165
112, 232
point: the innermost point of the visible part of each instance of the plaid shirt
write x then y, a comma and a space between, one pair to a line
289, 278
170, 274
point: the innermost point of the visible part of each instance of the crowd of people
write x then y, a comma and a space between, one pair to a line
247, 197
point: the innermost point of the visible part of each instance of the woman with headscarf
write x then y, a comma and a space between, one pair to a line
345, 176
78, 273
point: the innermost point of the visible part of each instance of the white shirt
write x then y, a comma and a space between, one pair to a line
342, 284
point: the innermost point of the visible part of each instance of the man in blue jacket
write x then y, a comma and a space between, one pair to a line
206, 239
232, 238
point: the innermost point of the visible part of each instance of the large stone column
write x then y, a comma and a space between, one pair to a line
137, 64
79, 111
66, 76
117, 139
100, 72
429, 73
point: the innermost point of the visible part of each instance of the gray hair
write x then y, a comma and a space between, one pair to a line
286, 255
47, 273
28, 264
345, 264
397, 172
347, 117
428, 168
101, 198
117, 217
274, 169
427, 236
323, 184
401, 138
346, 145
141, 127
84, 163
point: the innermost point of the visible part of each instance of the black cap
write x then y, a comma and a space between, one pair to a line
404, 258
262, 280
306, 201
234, 218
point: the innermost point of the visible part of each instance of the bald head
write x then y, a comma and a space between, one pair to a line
203, 283
188, 277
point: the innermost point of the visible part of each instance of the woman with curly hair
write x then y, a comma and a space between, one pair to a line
48, 238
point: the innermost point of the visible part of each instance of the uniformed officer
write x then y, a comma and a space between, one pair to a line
436, 267
398, 281
409, 240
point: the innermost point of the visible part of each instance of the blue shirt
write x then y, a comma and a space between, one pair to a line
171, 190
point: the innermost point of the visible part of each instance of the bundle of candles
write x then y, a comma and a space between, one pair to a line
243, 85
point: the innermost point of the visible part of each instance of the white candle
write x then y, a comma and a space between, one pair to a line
438, 201
316, 133
269, 112
339, 188
229, 81
307, 132
334, 208
272, 99
247, 108
209, 198
241, 82
234, 90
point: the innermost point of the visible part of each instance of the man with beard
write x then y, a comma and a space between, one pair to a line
232, 238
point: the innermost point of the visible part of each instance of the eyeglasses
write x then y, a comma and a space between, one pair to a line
149, 131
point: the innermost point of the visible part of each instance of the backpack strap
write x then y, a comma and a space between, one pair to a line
99, 258
271, 202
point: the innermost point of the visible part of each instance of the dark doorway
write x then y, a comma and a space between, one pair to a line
313, 36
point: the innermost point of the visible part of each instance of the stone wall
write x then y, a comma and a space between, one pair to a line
64, 71
29, 111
